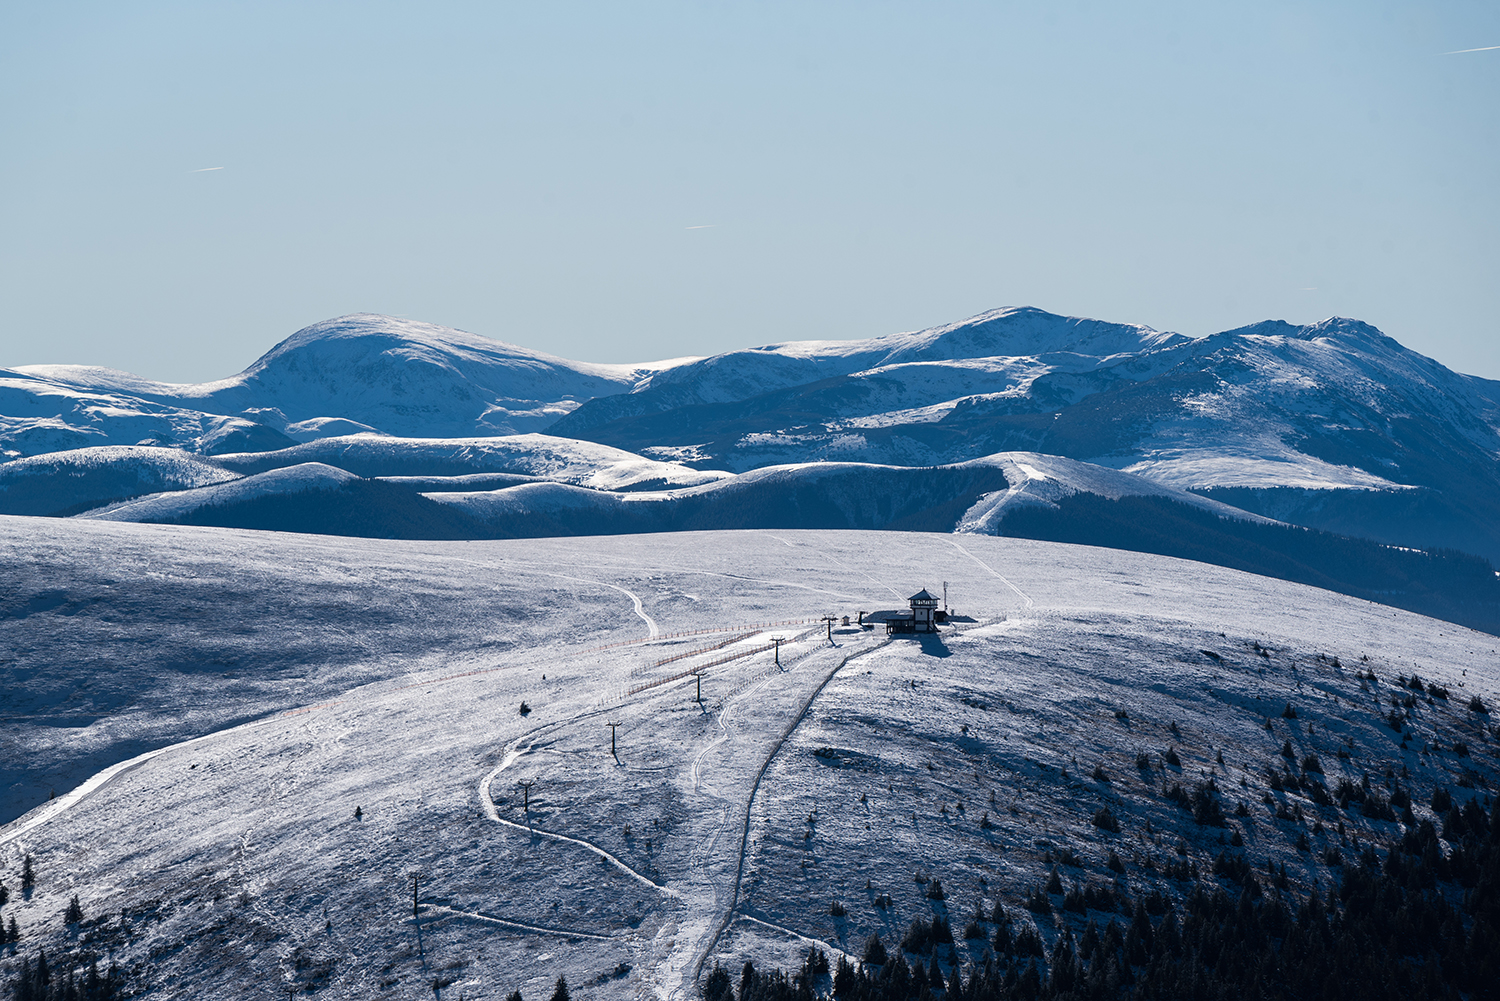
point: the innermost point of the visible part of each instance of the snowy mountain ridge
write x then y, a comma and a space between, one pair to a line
1331, 425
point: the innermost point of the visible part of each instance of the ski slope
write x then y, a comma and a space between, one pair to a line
207, 791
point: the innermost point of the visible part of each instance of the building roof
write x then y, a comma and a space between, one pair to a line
922, 595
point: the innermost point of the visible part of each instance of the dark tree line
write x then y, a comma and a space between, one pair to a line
37, 980
1414, 925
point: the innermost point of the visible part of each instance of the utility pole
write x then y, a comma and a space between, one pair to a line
945, 597
830, 619
699, 678
612, 739
414, 908
526, 791
778, 640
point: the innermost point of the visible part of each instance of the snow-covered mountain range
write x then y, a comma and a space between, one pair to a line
1331, 425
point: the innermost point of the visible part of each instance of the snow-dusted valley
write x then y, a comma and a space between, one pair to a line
261, 743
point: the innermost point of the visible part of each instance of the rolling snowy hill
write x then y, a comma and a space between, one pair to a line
257, 742
536, 487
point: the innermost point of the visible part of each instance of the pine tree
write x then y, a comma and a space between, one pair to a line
560, 992
718, 986
28, 875
74, 913
747, 980
513, 996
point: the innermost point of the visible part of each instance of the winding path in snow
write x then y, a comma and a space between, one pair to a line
513, 753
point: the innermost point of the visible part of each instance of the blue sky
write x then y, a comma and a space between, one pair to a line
618, 182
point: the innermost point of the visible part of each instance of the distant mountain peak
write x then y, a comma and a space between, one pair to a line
1019, 331
1333, 328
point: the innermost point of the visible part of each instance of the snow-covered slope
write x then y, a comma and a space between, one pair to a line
1000, 351
1042, 480
283, 730
564, 459
82, 479
164, 507
971, 497
39, 415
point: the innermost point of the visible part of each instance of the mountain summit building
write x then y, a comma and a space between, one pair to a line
924, 615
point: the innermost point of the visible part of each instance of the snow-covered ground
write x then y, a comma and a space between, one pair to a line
254, 690
566, 460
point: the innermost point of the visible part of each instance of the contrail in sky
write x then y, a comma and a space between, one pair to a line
709, 226
202, 169
1459, 52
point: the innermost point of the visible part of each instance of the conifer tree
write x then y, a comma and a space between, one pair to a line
718, 986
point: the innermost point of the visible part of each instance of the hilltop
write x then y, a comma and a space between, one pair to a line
284, 729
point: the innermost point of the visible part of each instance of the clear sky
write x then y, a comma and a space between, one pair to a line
184, 185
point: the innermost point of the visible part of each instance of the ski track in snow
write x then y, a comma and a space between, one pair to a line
1005, 580
711, 573
459, 912
702, 855
635, 598
834, 559
837, 952
98, 782
695, 970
